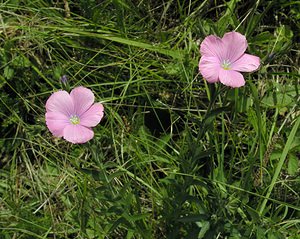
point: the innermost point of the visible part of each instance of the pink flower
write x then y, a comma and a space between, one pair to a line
223, 59
72, 115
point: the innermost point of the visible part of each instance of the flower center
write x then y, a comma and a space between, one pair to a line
74, 119
226, 65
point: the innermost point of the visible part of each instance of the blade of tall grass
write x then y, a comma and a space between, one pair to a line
279, 165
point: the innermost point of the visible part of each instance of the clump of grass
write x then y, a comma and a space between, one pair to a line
174, 157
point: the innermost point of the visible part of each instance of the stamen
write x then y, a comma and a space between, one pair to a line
226, 65
74, 119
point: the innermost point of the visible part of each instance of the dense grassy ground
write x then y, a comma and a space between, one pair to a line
174, 157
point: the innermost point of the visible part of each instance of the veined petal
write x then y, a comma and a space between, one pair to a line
83, 99
235, 44
77, 134
212, 46
92, 116
209, 67
61, 102
231, 78
246, 63
56, 122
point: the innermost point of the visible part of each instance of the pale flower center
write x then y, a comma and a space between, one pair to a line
74, 119
226, 65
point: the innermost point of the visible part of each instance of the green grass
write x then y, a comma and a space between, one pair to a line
174, 157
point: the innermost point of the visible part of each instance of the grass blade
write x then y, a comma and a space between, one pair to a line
280, 164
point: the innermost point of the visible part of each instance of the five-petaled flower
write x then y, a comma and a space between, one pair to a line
72, 116
224, 58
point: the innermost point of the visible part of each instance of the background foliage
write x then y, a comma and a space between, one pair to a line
173, 157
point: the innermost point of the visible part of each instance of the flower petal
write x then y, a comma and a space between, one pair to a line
56, 122
235, 44
77, 134
213, 46
231, 78
209, 67
61, 102
83, 98
92, 116
247, 63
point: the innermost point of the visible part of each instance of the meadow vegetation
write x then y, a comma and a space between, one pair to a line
174, 156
